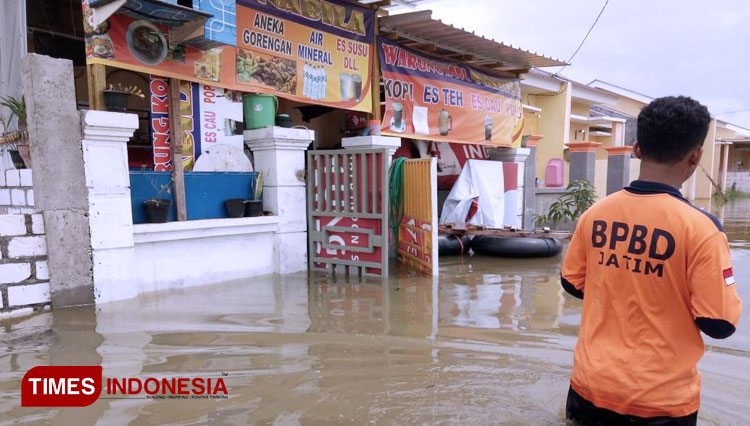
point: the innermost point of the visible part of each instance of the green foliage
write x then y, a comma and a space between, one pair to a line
161, 190
17, 108
731, 194
578, 197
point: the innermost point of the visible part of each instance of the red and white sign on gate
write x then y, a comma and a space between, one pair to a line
347, 217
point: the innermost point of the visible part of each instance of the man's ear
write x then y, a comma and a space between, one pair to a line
694, 158
637, 150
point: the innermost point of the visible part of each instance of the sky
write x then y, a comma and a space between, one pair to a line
698, 48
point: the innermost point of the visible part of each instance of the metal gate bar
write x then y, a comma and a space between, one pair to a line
347, 198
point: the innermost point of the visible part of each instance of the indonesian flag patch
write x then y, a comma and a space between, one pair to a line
728, 276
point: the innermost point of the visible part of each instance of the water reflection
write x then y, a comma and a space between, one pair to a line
488, 342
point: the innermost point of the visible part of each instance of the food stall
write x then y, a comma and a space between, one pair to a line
208, 79
222, 67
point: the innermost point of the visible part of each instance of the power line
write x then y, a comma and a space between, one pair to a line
585, 37
732, 112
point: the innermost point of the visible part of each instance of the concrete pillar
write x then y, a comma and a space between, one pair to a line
725, 160
514, 204
280, 153
582, 161
373, 142
105, 154
618, 167
529, 182
618, 133
59, 184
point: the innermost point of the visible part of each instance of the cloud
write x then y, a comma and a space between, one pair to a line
666, 47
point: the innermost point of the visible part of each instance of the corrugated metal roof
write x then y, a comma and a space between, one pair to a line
418, 30
395, 4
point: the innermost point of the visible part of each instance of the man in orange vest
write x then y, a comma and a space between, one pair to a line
653, 271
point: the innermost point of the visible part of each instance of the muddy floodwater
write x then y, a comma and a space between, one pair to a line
489, 342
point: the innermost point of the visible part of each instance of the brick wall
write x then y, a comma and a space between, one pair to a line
16, 192
24, 274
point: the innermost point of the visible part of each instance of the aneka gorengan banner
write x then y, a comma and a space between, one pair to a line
312, 51
432, 99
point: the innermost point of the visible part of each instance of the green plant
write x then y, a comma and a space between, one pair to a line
578, 197
127, 89
161, 190
731, 194
17, 108
258, 186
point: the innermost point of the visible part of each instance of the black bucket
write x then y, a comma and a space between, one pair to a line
157, 211
253, 208
235, 207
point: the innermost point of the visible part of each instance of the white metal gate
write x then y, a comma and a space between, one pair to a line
347, 211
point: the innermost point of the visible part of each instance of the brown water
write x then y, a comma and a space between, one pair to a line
489, 343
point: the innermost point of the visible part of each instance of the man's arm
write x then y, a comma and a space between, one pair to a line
573, 276
713, 292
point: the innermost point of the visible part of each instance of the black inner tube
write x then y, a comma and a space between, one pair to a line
452, 245
516, 247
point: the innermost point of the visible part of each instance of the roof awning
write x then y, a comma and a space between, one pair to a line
419, 31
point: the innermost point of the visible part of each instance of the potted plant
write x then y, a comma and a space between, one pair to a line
578, 197
116, 96
20, 136
157, 209
254, 207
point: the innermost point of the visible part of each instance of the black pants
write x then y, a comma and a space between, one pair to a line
585, 413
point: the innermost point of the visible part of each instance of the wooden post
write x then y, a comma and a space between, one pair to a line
376, 73
97, 81
175, 134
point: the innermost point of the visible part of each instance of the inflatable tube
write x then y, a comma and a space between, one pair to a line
516, 246
451, 245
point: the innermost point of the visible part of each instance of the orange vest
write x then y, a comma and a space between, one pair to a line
649, 264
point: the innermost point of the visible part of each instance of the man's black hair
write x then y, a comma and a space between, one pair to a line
670, 127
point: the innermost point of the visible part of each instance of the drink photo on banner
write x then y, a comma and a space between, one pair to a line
433, 99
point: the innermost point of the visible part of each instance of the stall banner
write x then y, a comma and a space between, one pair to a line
159, 120
219, 111
311, 51
433, 99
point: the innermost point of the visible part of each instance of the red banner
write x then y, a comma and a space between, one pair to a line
314, 52
432, 99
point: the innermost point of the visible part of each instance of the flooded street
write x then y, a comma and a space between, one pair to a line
491, 342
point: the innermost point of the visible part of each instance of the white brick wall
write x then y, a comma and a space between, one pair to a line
20, 210
26, 179
18, 197
37, 224
12, 178
4, 197
24, 271
14, 272
30, 294
16, 190
27, 246
12, 225
42, 270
